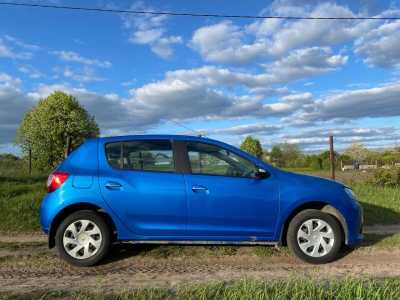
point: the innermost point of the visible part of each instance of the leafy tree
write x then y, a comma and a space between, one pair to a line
276, 155
357, 152
290, 153
252, 146
46, 127
314, 162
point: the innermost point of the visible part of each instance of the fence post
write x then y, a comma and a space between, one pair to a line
68, 147
332, 157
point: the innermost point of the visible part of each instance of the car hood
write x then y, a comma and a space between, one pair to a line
309, 180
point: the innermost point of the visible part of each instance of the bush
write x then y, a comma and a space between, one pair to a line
386, 177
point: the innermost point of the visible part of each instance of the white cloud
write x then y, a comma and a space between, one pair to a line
21, 43
226, 42
70, 56
381, 46
163, 46
13, 105
7, 51
30, 71
176, 99
248, 129
381, 101
222, 42
318, 138
86, 74
343, 132
150, 30
129, 82
303, 63
300, 64
7, 81
289, 104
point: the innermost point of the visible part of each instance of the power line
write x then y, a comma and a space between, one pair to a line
189, 14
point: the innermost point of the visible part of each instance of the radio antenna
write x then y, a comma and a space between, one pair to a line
198, 133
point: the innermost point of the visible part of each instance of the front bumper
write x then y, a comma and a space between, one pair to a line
355, 235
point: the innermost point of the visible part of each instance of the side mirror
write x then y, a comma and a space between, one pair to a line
261, 174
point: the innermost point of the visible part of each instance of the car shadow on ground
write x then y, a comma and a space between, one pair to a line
376, 213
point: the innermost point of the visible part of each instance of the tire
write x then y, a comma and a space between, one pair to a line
93, 242
315, 246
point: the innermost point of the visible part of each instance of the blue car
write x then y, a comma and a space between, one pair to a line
187, 189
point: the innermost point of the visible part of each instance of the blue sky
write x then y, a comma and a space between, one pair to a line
281, 81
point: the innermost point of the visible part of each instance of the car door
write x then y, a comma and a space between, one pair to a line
225, 199
138, 180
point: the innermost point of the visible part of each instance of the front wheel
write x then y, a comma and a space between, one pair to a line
315, 237
83, 238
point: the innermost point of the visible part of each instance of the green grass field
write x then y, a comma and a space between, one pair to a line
246, 289
20, 197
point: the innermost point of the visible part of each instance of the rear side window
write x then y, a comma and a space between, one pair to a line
113, 153
141, 155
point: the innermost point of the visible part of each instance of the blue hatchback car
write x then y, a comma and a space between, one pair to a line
187, 189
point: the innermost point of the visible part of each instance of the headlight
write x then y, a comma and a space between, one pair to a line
350, 193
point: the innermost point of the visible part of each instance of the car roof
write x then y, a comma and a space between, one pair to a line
157, 137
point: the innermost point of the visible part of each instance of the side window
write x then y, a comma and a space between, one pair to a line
142, 155
113, 153
213, 160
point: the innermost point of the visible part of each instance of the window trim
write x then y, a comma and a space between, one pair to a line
189, 166
121, 168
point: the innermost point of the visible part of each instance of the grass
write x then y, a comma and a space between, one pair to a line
381, 204
20, 198
294, 289
382, 241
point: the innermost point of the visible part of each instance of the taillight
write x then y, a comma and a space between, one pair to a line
55, 180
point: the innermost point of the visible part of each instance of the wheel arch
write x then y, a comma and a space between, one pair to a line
62, 214
319, 205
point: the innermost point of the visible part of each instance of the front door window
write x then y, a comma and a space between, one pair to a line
212, 160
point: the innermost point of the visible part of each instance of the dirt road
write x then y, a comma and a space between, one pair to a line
30, 266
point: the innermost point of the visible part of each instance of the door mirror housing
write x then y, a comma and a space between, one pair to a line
261, 173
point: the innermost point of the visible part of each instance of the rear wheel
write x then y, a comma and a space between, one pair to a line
83, 238
315, 237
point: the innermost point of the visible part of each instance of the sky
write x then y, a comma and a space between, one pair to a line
294, 81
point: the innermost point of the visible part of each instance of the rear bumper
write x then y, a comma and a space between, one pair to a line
46, 212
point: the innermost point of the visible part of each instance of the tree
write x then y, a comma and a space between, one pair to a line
252, 146
357, 152
276, 155
47, 126
290, 153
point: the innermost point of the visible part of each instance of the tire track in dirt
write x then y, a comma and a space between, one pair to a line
137, 272
27, 265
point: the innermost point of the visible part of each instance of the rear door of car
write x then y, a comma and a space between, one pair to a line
139, 181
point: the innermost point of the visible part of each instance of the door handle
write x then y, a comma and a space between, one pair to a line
199, 188
113, 185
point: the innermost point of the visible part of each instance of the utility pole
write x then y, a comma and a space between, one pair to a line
332, 157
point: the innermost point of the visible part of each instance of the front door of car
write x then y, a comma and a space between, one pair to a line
225, 199
138, 181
